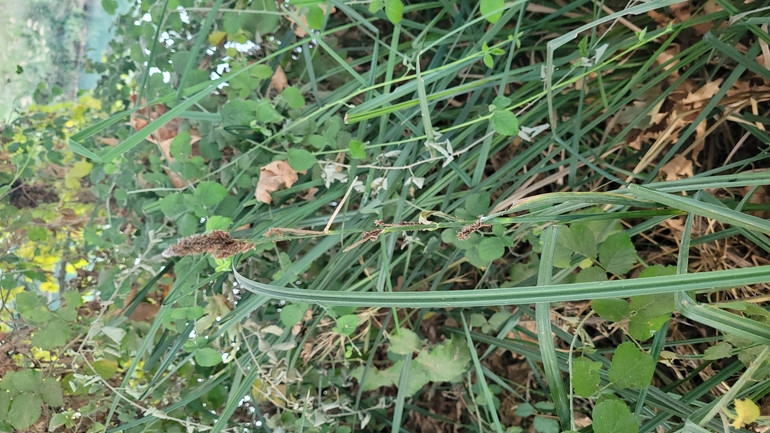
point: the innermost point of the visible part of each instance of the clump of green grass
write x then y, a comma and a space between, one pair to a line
467, 160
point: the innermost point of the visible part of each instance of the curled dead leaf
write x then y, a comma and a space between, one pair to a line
271, 177
279, 80
704, 93
678, 168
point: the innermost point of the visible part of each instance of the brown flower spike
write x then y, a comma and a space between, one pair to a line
217, 243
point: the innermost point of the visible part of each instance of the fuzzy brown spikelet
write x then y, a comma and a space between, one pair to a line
217, 243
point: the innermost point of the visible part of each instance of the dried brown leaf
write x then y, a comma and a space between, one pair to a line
279, 80
678, 168
704, 93
271, 177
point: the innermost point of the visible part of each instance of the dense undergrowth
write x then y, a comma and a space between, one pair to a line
445, 216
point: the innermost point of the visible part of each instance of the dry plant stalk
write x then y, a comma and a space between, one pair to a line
217, 243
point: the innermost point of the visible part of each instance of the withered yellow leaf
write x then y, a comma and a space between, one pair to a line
748, 412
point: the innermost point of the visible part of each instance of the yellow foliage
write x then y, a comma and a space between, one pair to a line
748, 412
42, 355
216, 37
49, 287
10, 295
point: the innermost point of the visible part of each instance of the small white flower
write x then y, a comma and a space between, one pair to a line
416, 181
528, 134
330, 174
380, 183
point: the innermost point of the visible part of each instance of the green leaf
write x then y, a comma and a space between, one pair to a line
582, 240
207, 357
374, 378
501, 102
617, 254
293, 96
110, 6
28, 301
446, 362
524, 410
37, 233
262, 23
315, 18
26, 380
505, 123
263, 72
718, 351
218, 222
25, 410
477, 204
404, 342
613, 416
266, 113
477, 319
643, 328
489, 62
188, 224
590, 275
418, 376
357, 149
346, 325
585, 376
301, 159
209, 193
51, 392
394, 9
57, 420
498, 319
318, 141
488, 6
631, 368
491, 248
50, 337
546, 425
658, 271
73, 298
375, 6
293, 313
611, 309
181, 146
653, 305
105, 368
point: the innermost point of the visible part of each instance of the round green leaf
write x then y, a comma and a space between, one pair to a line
25, 410
218, 222
613, 416
51, 392
405, 342
394, 9
357, 149
487, 6
209, 194
208, 357
611, 309
585, 376
630, 367
617, 254
505, 123
301, 159
315, 17
292, 314
491, 248
347, 324
293, 97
